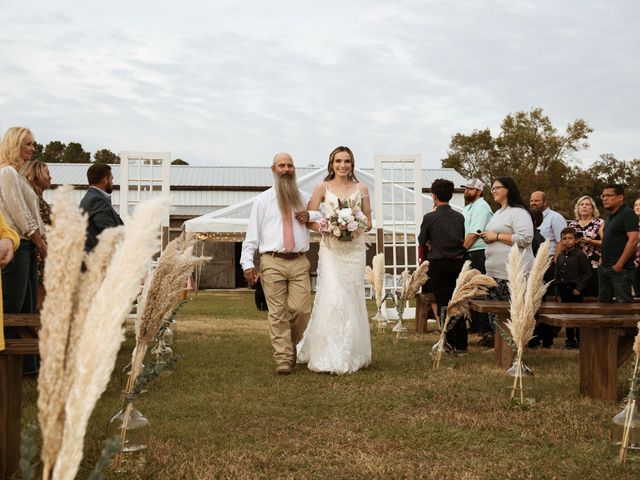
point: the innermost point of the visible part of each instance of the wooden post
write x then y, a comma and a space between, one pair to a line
11, 389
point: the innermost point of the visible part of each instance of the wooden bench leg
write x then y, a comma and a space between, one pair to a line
599, 362
10, 402
504, 354
422, 312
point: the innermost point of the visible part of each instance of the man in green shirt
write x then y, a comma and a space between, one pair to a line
477, 214
615, 273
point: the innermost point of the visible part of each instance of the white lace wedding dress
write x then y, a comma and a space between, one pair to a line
337, 339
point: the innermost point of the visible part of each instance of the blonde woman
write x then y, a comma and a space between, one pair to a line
589, 227
20, 208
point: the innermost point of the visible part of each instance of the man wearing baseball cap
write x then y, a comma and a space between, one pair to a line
477, 214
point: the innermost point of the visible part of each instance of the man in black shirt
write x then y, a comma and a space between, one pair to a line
442, 233
615, 274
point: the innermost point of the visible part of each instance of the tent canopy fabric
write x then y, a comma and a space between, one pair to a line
234, 218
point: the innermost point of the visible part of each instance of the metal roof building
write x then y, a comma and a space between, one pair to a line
196, 190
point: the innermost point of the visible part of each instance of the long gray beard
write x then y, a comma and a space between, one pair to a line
288, 194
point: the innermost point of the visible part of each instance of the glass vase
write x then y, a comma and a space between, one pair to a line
446, 356
168, 336
400, 328
133, 430
521, 381
162, 354
631, 415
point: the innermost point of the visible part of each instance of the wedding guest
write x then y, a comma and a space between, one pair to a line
589, 230
9, 242
20, 208
552, 224
284, 268
97, 203
443, 231
38, 176
511, 224
477, 214
619, 243
572, 273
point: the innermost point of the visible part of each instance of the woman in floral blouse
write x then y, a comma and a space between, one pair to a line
589, 227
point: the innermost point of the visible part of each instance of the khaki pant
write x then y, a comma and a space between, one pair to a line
288, 292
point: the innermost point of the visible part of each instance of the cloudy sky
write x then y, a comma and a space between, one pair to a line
231, 82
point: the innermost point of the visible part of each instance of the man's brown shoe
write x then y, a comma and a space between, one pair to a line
283, 369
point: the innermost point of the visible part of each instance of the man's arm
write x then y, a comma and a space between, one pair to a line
251, 243
628, 252
469, 240
558, 223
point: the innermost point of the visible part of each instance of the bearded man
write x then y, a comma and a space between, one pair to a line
277, 230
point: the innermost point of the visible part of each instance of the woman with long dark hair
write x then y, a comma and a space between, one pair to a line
511, 224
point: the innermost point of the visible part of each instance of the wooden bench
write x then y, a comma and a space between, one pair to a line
605, 344
504, 354
423, 310
11, 387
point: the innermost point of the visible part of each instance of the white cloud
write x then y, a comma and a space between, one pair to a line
233, 82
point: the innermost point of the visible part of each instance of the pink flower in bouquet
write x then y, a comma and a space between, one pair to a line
359, 215
352, 226
324, 225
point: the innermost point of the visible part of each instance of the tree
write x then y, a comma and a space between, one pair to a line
74, 153
529, 149
106, 156
179, 161
37, 154
53, 152
609, 170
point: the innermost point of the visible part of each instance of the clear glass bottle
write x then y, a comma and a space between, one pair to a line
134, 432
521, 382
446, 357
617, 426
162, 354
167, 335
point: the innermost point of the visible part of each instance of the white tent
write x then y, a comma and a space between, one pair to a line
234, 218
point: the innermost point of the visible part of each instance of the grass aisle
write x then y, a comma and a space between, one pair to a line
222, 411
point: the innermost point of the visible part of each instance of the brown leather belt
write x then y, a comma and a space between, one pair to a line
285, 255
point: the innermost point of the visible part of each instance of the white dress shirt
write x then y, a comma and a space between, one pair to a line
552, 224
264, 231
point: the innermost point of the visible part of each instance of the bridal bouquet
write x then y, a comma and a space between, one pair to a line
346, 222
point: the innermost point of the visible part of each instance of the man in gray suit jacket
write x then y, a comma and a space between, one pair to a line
97, 203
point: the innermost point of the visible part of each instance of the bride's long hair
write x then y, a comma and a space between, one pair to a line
332, 155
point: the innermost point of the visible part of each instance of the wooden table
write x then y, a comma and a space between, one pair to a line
504, 354
11, 387
605, 343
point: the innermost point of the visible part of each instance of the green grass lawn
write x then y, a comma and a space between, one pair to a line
222, 412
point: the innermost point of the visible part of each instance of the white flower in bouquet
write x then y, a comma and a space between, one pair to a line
336, 231
345, 214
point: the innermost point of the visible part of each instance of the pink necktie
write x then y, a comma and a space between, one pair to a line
287, 233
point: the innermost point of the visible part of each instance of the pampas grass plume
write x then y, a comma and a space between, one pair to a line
103, 332
65, 253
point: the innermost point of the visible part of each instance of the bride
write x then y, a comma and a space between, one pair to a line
337, 339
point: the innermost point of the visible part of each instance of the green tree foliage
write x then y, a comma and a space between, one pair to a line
53, 152
74, 153
39, 149
179, 161
105, 155
611, 170
529, 149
